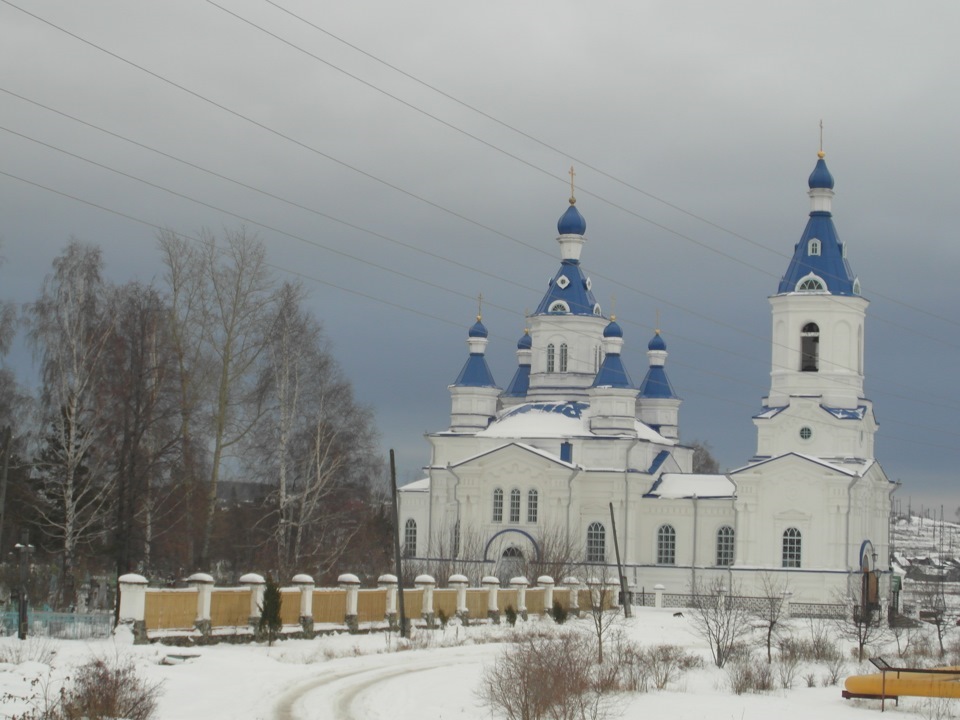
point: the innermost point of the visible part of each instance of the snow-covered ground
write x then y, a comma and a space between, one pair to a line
349, 677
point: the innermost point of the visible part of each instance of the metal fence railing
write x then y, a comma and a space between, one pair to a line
67, 626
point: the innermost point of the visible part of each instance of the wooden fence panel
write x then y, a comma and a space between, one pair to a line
477, 600
371, 605
412, 603
230, 607
329, 606
290, 606
535, 599
505, 598
170, 609
445, 601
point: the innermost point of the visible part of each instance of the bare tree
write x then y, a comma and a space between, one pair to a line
603, 615
139, 374
860, 624
188, 320
222, 297
770, 614
68, 329
718, 620
703, 460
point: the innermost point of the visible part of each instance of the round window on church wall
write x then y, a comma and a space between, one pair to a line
806, 433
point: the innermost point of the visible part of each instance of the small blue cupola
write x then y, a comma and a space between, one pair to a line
819, 263
521, 378
657, 404
473, 395
613, 396
476, 372
612, 372
656, 384
569, 291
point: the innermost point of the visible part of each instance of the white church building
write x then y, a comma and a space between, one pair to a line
543, 458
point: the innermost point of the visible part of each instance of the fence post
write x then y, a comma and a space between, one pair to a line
492, 585
133, 605
306, 585
255, 583
613, 590
460, 582
350, 583
204, 585
573, 588
389, 583
426, 583
520, 584
546, 582
658, 595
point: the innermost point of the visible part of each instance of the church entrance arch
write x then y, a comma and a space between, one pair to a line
510, 551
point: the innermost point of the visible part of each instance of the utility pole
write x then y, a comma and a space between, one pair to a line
627, 600
24, 548
396, 545
5, 439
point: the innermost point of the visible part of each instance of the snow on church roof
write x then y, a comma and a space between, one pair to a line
686, 485
550, 420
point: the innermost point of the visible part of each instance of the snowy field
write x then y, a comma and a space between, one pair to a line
373, 677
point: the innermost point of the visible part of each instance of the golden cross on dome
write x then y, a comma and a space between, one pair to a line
573, 197
821, 153
657, 328
479, 307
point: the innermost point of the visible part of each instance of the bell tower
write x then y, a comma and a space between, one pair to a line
816, 403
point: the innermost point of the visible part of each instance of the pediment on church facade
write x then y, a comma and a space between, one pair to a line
515, 454
794, 462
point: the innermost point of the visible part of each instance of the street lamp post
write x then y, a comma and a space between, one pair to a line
24, 548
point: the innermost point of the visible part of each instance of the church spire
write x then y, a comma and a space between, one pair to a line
819, 262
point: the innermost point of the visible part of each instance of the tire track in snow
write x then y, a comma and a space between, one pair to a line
361, 679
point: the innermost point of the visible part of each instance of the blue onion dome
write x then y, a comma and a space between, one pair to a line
820, 177
525, 342
478, 330
571, 222
657, 343
613, 330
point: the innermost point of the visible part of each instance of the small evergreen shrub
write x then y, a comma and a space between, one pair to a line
442, 618
511, 615
270, 622
559, 613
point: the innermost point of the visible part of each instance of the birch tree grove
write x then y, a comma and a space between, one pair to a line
68, 330
151, 397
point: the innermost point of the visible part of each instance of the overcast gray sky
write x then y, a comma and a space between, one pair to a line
693, 127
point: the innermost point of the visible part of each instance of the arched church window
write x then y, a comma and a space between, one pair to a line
666, 545
725, 546
811, 283
856, 286
810, 348
533, 501
791, 548
514, 506
563, 357
559, 307
596, 543
498, 505
551, 357
410, 538
813, 247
